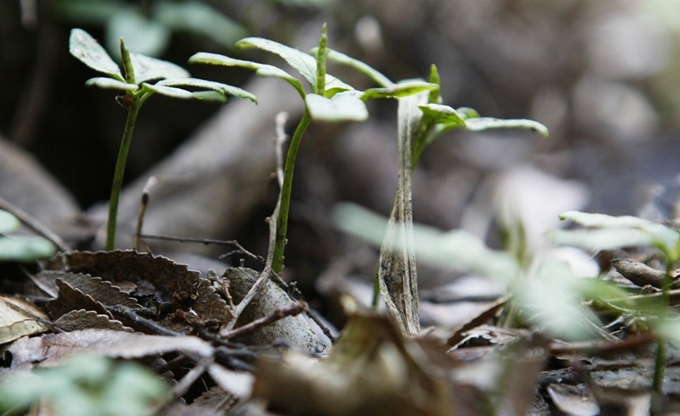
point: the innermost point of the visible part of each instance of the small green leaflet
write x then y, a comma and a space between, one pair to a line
398, 90
303, 63
488, 123
262, 70
344, 106
110, 84
209, 85
149, 69
86, 49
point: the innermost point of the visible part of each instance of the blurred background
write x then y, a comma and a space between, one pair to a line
603, 76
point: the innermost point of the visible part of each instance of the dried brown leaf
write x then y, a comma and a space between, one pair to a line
71, 299
100, 290
209, 307
82, 319
168, 277
50, 349
18, 319
371, 370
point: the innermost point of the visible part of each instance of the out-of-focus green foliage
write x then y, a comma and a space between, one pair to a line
86, 386
149, 31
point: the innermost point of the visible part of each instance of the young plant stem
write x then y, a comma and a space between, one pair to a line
282, 219
660, 362
119, 173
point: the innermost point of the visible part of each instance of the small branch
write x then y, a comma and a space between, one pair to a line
292, 310
234, 243
34, 225
183, 386
137, 321
150, 183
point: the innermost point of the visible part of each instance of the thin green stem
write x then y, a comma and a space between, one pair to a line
120, 173
282, 220
660, 362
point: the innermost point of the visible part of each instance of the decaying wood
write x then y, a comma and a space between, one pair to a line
397, 265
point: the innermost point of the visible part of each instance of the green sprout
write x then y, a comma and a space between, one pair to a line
330, 100
141, 78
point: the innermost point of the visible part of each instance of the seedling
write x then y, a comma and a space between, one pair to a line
136, 83
330, 100
421, 120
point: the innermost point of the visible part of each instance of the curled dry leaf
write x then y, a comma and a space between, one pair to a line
82, 319
295, 330
178, 294
100, 290
371, 370
70, 299
168, 277
19, 318
209, 308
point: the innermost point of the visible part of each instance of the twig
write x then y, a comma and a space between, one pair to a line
234, 243
292, 310
183, 386
137, 321
34, 225
150, 183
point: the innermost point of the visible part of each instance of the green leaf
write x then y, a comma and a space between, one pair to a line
370, 72
86, 49
467, 113
344, 106
262, 70
141, 35
488, 123
604, 239
303, 63
198, 18
454, 250
111, 84
168, 91
660, 235
300, 61
669, 329
8, 222
442, 114
148, 69
399, 90
550, 297
601, 220
213, 96
128, 69
209, 85
25, 248
87, 385
434, 78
